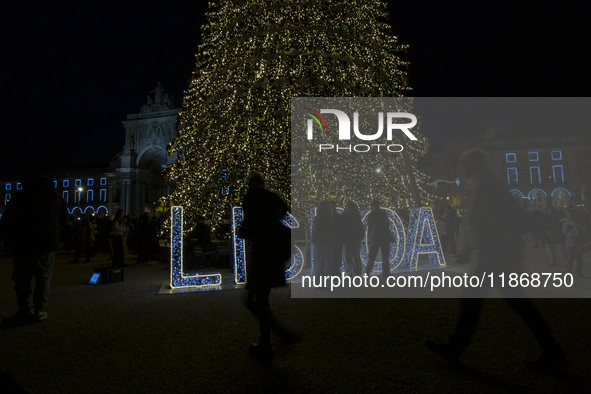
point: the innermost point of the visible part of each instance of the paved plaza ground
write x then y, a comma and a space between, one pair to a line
125, 337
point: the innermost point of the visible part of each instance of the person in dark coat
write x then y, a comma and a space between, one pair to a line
148, 246
352, 235
31, 227
323, 239
379, 238
450, 221
495, 224
119, 232
269, 244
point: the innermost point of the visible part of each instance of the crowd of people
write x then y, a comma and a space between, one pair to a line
337, 237
565, 235
36, 224
88, 235
495, 226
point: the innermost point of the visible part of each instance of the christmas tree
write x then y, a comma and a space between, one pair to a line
254, 56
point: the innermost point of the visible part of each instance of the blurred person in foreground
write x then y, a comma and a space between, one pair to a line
31, 226
495, 224
269, 249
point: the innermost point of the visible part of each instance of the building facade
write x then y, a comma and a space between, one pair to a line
538, 172
132, 181
144, 157
87, 191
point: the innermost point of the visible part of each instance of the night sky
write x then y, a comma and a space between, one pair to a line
72, 72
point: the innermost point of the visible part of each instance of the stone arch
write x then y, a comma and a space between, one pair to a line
518, 196
153, 158
538, 199
560, 198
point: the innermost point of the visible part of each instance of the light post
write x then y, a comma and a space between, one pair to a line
80, 191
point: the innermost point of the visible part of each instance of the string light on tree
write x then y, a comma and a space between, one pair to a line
253, 58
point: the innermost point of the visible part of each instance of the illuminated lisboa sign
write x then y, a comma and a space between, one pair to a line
422, 238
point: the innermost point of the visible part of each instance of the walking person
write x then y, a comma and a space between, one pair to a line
31, 226
495, 224
269, 244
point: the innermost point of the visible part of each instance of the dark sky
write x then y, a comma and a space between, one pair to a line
71, 72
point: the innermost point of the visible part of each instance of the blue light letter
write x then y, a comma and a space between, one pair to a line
423, 238
177, 277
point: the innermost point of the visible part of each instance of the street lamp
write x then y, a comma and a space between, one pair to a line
80, 190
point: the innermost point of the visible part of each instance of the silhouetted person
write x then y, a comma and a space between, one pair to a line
201, 240
269, 243
352, 235
552, 234
104, 225
323, 239
202, 234
92, 231
494, 220
119, 231
78, 235
584, 242
536, 221
84, 236
336, 254
378, 238
575, 228
147, 246
449, 217
68, 233
31, 226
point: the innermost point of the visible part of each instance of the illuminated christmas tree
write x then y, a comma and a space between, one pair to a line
254, 57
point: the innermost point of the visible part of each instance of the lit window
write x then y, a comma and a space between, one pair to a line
534, 174
19, 186
89, 182
533, 156
511, 157
8, 186
556, 155
103, 194
512, 178
103, 181
65, 196
55, 184
558, 174
66, 183
89, 195
78, 182
6, 198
